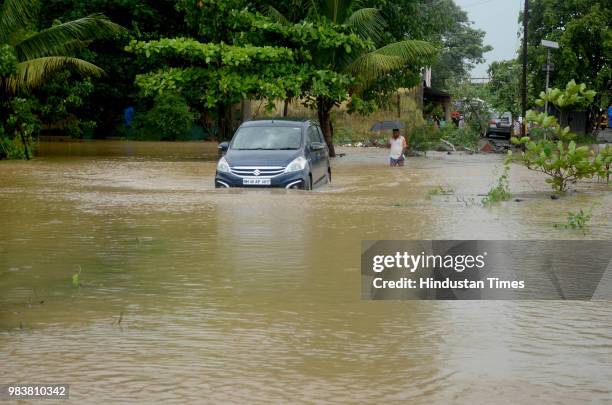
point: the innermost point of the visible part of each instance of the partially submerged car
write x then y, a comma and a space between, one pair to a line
275, 153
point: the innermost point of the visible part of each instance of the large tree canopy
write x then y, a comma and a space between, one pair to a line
37, 54
442, 23
583, 30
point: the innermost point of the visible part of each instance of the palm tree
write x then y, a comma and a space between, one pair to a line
37, 55
366, 65
41, 53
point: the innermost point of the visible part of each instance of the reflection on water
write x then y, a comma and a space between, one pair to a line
234, 295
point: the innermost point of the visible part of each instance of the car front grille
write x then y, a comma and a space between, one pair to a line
257, 171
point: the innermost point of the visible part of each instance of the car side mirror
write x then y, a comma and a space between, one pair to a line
221, 149
315, 146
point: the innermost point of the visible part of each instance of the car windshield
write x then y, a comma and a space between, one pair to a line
267, 138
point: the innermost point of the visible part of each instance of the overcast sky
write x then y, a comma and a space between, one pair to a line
499, 19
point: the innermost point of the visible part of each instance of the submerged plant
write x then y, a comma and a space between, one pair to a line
76, 277
576, 220
557, 155
603, 163
439, 190
501, 190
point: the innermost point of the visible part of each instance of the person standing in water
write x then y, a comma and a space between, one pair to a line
398, 146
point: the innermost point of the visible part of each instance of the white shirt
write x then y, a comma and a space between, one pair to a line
397, 147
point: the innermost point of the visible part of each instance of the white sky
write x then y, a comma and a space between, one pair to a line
499, 19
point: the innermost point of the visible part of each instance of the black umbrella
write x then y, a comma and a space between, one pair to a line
382, 125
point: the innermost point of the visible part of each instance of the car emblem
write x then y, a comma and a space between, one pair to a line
256, 172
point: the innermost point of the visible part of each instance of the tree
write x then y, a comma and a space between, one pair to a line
213, 76
369, 62
445, 25
504, 86
39, 54
582, 28
29, 57
116, 90
555, 153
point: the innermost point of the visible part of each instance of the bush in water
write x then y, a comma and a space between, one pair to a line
169, 119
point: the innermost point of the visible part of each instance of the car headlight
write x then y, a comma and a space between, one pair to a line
223, 166
298, 164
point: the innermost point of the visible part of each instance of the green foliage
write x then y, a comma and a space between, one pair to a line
552, 155
504, 86
603, 163
501, 190
116, 89
76, 277
439, 190
169, 119
564, 163
576, 220
18, 131
62, 104
442, 23
424, 138
574, 95
546, 126
47, 51
582, 28
372, 56
460, 137
8, 61
474, 104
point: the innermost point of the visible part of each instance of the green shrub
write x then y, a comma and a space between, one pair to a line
500, 191
439, 190
564, 163
576, 220
460, 137
19, 129
555, 152
169, 119
424, 138
603, 163
8, 61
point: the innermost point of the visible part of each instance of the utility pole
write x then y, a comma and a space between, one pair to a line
524, 89
547, 79
548, 45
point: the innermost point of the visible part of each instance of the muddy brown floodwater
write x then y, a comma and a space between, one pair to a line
194, 294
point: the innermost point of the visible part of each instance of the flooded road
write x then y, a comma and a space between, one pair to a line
188, 293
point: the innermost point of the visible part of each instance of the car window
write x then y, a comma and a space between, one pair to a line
269, 138
320, 134
313, 135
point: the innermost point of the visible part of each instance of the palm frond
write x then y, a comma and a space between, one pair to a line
367, 23
337, 11
372, 65
32, 73
61, 38
15, 14
275, 15
411, 51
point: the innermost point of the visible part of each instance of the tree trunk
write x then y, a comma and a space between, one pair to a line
25, 146
324, 107
286, 107
224, 120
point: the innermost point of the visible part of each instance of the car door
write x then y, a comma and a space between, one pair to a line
315, 155
324, 153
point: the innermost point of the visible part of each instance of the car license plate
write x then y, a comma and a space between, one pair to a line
256, 182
